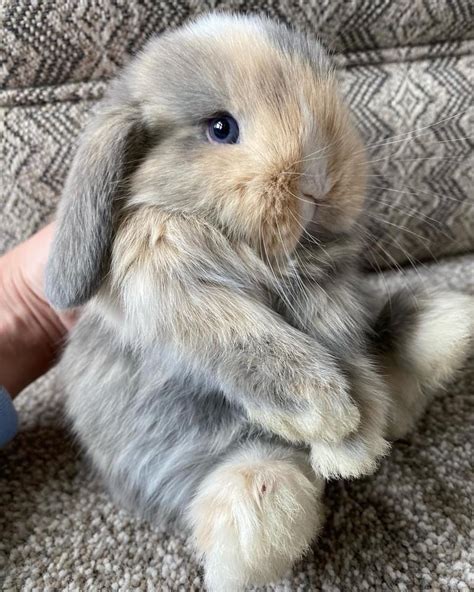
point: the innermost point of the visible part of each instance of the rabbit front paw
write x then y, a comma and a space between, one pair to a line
311, 410
355, 457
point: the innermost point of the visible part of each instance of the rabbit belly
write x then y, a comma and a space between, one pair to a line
153, 433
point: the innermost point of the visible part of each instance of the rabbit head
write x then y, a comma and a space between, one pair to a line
233, 119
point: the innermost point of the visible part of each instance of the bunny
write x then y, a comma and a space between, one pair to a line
228, 359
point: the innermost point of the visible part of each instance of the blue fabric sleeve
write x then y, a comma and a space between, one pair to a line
8, 418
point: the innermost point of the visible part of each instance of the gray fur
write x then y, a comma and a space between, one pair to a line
155, 432
81, 247
397, 320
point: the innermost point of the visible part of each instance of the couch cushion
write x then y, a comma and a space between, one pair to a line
90, 40
406, 71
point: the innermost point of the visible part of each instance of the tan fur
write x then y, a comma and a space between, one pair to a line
254, 516
254, 189
346, 168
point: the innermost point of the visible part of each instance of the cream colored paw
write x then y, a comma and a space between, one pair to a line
303, 427
253, 517
352, 458
327, 413
338, 422
443, 337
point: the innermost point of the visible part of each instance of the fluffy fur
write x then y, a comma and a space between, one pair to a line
255, 515
227, 360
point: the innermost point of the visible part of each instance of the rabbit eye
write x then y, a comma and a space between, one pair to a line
223, 129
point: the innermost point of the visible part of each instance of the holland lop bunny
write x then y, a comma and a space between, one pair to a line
228, 360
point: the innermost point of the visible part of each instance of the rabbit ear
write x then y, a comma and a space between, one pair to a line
79, 255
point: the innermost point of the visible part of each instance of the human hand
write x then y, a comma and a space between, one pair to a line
31, 332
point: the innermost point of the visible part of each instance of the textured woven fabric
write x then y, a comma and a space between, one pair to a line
406, 71
53, 42
406, 68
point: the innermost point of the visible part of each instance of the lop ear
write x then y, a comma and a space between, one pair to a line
80, 251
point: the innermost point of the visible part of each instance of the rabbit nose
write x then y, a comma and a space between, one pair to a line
313, 184
313, 190
308, 188
307, 207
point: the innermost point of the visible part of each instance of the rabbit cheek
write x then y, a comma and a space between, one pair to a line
345, 169
346, 197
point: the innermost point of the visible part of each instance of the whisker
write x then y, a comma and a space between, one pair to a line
415, 159
436, 225
311, 155
430, 193
415, 133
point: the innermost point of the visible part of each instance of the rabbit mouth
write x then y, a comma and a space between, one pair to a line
307, 209
281, 226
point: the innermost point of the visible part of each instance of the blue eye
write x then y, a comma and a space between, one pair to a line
223, 129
